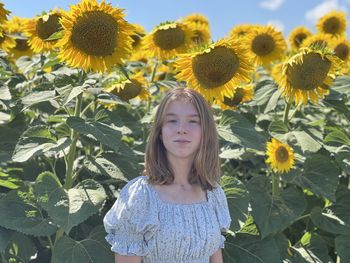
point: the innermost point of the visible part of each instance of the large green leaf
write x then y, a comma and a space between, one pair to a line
237, 199
5, 93
329, 221
8, 141
5, 235
68, 93
244, 248
320, 176
20, 212
106, 134
263, 91
104, 167
21, 248
337, 136
272, 103
244, 130
342, 246
306, 142
93, 249
68, 208
37, 97
274, 214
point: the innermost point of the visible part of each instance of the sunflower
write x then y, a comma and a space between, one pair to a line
127, 89
215, 70
341, 47
297, 36
139, 33
333, 23
6, 42
14, 28
240, 31
242, 94
280, 156
201, 33
307, 74
197, 19
3, 13
39, 29
266, 44
322, 40
96, 36
168, 40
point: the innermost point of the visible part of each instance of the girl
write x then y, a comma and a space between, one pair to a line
176, 211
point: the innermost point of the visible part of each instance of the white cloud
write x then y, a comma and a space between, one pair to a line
277, 24
320, 10
271, 4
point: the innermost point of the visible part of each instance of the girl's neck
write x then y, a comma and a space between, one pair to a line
182, 171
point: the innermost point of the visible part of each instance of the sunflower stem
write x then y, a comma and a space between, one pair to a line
276, 190
286, 113
154, 71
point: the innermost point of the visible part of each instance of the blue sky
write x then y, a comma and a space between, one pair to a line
222, 14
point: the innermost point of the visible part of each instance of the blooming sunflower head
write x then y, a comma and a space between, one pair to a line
265, 44
341, 48
96, 36
201, 33
242, 94
3, 13
280, 156
333, 23
138, 34
168, 40
297, 36
215, 70
319, 40
6, 42
197, 19
127, 89
307, 74
39, 29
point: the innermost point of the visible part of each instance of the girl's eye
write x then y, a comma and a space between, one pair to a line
194, 121
171, 120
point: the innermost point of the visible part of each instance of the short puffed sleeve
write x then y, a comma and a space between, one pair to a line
132, 221
222, 211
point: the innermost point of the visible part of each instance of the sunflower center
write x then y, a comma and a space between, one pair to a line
46, 28
299, 39
310, 74
216, 67
21, 45
95, 33
236, 99
331, 25
342, 51
263, 45
170, 38
130, 91
281, 154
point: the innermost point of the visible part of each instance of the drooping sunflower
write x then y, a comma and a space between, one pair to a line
297, 36
168, 40
215, 70
341, 47
242, 94
199, 24
266, 45
280, 156
127, 89
3, 13
96, 36
41, 28
138, 34
240, 31
323, 40
14, 29
6, 42
333, 23
308, 74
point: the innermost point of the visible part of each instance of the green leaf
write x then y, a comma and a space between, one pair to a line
244, 130
90, 250
9, 181
337, 136
72, 207
24, 215
37, 97
247, 248
237, 199
278, 127
320, 176
5, 93
342, 246
306, 142
272, 103
329, 221
5, 236
273, 214
21, 248
232, 153
68, 93
263, 92
56, 36
103, 133
105, 167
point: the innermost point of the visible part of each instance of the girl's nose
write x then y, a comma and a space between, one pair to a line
181, 129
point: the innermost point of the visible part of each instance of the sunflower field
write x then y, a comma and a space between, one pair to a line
78, 90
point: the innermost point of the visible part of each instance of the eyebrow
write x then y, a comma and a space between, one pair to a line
191, 115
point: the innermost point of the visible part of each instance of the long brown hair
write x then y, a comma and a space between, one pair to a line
206, 163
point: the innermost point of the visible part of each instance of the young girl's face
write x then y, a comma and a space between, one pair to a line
181, 131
